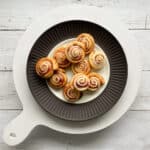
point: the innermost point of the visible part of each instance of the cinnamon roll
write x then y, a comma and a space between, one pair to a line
70, 93
55, 64
44, 67
81, 67
97, 59
58, 79
88, 41
80, 82
95, 81
61, 58
75, 52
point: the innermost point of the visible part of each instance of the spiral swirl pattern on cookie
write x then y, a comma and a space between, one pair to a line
70, 93
80, 81
97, 60
95, 81
81, 67
61, 58
58, 79
44, 67
75, 52
88, 41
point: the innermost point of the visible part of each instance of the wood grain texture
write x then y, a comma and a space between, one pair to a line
8, 43
17, 15
21, 22
8, 96
148, 21
9, 99
9, 40
129, 133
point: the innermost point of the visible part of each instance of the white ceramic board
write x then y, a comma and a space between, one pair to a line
19, 128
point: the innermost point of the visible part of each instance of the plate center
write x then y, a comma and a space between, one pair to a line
87, 95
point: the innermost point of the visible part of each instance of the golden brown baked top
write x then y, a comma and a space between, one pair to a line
44, 67
80, 81
81, 67
70, 93
95, 81
75, 52
61, 58
97, 59
58, 79
88, 41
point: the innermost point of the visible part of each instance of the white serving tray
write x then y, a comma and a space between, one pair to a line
33, 115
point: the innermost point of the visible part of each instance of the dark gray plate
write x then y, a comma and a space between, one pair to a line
118, 71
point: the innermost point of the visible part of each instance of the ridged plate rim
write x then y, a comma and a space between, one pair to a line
56, 107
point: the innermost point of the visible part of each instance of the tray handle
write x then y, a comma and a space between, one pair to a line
18, 129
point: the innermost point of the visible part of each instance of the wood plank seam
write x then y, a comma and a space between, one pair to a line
146, 21
17, 29
13, 30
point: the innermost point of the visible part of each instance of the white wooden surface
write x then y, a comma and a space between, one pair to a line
130, 132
